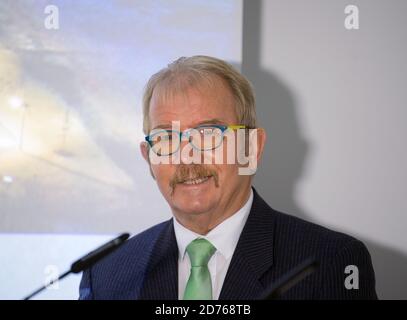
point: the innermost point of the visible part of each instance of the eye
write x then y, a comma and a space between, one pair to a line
161, 136
207, 131
167, 137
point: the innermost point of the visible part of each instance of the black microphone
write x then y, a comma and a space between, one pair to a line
87, 261
290, 279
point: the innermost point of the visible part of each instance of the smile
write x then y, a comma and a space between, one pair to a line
195, 181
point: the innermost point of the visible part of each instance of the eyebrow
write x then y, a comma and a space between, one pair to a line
209, 121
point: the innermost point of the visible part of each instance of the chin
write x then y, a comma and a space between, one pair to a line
196, 205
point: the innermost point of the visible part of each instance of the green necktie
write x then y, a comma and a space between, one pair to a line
199, 285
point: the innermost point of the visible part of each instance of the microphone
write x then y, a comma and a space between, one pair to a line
87, 261
290, 279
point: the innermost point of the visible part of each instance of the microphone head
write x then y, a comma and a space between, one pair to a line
96, 255
290, 279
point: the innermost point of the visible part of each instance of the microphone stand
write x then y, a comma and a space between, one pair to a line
87, 261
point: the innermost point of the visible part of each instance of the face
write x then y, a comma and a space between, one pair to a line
220, 186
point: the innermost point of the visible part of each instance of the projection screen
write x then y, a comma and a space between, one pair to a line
71, 80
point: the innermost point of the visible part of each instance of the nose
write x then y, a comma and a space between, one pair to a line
189, 154
185, 151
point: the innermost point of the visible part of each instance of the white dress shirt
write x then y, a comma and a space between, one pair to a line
224, 238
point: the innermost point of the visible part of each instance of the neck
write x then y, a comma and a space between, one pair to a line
204, 222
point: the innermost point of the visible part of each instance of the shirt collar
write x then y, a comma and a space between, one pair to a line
224, 236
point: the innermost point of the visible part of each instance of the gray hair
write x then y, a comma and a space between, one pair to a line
190, 71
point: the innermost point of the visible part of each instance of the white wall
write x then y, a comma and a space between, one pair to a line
333, 103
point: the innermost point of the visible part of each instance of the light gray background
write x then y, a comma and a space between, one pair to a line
333, 102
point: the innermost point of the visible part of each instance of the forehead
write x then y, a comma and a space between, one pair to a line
192, 104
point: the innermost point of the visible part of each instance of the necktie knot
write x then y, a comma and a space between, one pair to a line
200, 251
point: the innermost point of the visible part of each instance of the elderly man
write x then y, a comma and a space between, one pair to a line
224, 241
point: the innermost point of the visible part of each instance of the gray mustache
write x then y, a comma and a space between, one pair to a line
192, 171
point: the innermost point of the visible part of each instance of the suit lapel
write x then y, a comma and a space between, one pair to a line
161, 278
253, 255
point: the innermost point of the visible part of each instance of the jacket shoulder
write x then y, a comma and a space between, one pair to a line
136, 247
121, 272
300, 232
337, 253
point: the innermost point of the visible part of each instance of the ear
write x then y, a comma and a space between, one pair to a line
261, 142
145, 149
255, 142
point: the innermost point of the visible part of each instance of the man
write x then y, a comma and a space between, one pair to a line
224, 241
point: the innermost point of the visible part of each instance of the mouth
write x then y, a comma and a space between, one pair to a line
195, 181
198, 180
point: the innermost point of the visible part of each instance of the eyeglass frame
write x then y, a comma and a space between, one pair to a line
223, 129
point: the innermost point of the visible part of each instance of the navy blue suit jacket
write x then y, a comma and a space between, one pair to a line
271, 243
